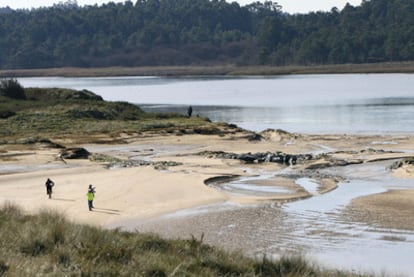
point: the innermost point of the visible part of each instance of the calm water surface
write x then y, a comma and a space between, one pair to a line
351, 103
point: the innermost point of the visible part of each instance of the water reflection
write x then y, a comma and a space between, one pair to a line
361, 118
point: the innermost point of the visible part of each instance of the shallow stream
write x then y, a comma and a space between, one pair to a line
314, 227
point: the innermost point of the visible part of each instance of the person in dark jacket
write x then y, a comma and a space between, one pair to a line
49, 185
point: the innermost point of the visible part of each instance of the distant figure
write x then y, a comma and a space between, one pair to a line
190, 111
91, 197
49, 185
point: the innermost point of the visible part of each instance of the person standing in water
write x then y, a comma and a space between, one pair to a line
91, 196
49, 185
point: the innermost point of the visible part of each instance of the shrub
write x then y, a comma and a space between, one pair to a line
33, 247
11, 88
6, 114
3, 268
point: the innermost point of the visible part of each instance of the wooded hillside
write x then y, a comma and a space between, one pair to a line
204, 32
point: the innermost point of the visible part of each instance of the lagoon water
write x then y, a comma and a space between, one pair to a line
353, 103
345, 103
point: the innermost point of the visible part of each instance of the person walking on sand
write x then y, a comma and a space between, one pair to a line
91, 197
49, 185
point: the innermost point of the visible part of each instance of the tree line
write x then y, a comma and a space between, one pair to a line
204, 32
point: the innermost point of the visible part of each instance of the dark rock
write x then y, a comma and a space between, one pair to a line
255, 137
74, 153
208, 131
308, 157
267, 157
248, 158
406, 161
276, 159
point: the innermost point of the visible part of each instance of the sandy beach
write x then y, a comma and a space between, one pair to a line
341, 193
141, 192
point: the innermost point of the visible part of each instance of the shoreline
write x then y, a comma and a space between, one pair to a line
218, 70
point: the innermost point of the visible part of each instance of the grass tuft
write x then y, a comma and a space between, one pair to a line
3, 268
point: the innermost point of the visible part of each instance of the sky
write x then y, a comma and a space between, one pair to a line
290, 6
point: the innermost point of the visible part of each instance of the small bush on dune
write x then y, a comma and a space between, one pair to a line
11, 88
6, 114
33, 247
3, 268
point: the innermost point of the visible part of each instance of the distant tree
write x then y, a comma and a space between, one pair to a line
269, 35
67, 4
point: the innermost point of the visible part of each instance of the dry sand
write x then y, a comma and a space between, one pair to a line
125, 194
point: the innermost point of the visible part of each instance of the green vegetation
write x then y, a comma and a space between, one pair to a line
12, 89
204, 32
64, 113
48, 245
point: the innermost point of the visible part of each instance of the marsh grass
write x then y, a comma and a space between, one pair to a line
47, 244
387, 67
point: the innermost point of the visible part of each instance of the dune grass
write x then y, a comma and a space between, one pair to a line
47, 244
64, 113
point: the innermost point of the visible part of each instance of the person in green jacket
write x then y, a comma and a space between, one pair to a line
91, 196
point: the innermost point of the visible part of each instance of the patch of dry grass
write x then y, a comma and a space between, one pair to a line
47, 244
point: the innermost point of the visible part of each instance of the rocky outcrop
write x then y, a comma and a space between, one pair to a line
331, 162
264, 157
399, 164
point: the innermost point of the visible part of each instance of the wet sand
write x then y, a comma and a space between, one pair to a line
392, 209
240, 215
